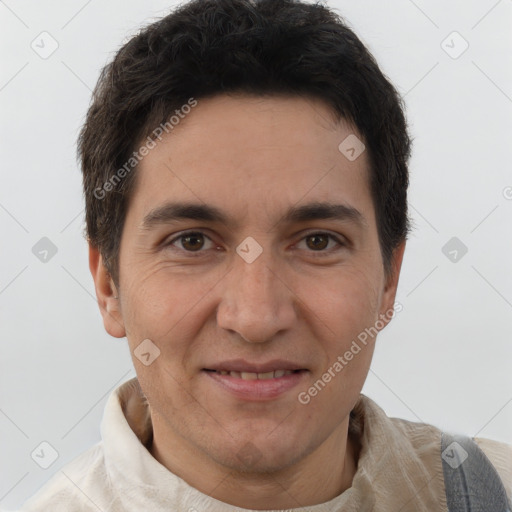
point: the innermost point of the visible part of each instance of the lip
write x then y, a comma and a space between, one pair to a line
256, 390
241, 365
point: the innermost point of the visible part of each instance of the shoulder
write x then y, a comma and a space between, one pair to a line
425, 439
80, 486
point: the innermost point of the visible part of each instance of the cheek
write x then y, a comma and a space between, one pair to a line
152, 297
168, 307
343, 311
344, 302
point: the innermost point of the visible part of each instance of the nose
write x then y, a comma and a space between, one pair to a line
257, 303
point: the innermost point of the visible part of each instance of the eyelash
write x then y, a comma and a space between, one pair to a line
200, 252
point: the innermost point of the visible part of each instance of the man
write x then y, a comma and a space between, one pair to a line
245, 176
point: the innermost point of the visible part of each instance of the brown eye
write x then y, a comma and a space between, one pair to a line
317, 241
192, 241
322, 244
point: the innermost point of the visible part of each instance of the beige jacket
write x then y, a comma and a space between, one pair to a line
399, 468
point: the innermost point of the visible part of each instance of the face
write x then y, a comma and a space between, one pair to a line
250, 298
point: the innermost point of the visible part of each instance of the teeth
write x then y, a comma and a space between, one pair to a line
267, 375
253, 376
248, 376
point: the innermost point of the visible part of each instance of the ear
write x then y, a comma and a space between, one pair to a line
108, 297
391, 284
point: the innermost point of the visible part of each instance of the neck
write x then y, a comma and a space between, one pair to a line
317, 478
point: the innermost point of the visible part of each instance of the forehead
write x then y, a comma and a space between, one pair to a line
255, 154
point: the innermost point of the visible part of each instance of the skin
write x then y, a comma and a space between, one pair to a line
253, 158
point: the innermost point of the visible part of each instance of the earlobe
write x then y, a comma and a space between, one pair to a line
107, 295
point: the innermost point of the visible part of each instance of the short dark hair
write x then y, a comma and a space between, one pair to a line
257, 47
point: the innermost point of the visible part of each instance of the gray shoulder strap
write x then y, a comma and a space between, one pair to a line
471, 481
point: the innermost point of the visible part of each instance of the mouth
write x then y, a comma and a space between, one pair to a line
252, 382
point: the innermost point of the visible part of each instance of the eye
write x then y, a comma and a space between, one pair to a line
319, 241
191, 241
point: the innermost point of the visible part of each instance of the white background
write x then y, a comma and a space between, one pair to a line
445, 359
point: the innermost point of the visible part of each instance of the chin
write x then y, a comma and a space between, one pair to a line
259, 454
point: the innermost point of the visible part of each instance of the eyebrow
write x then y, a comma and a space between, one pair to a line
174, 211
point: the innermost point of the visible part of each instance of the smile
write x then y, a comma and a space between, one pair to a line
255, 376
255, 386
